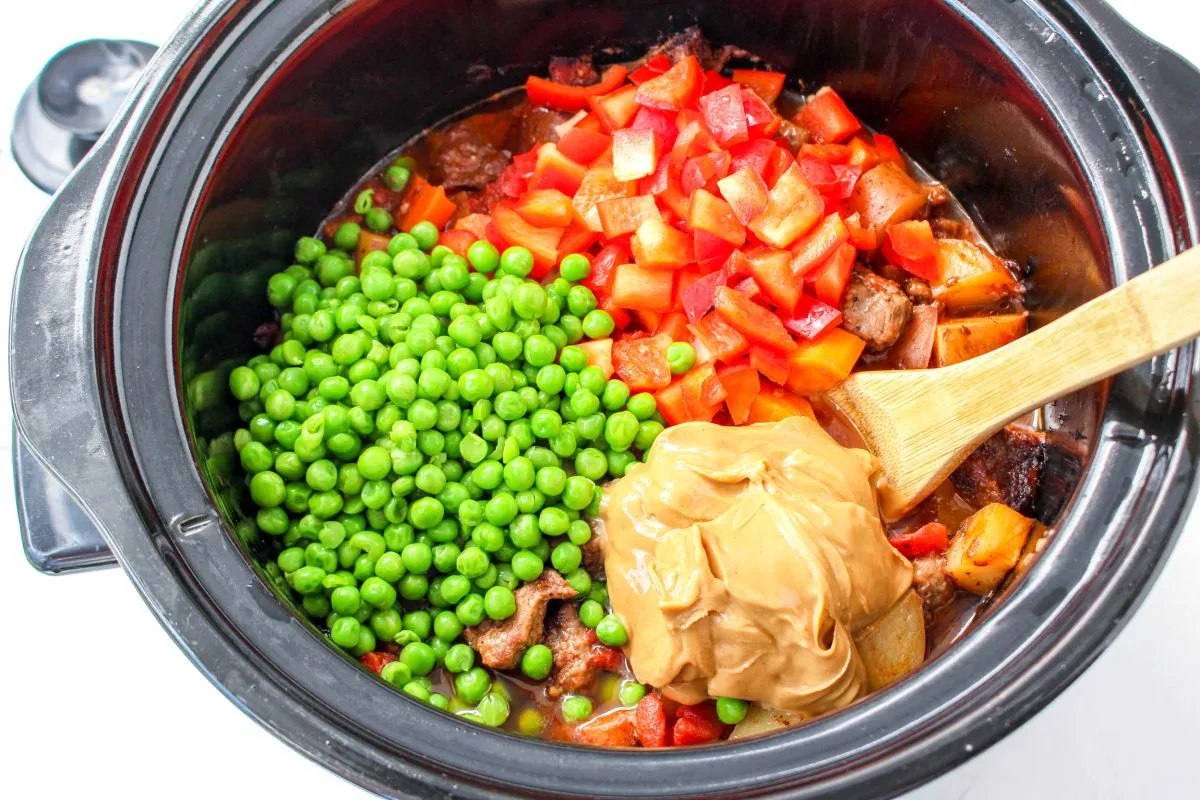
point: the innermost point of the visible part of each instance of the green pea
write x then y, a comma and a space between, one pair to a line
397, 673
575, 267
419, 658
470, 610
611, 631
483, 256
471, 686
631, 693
539, 350
576, 708
566, 557
460, 657
537, 662
499, 603
731, 711
426, 234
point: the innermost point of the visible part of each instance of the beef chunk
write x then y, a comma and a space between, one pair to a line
574, 71
918, 290
1004, 469
500, 643
571, 643
875, 309
944, 228
535, 125
932, 583
1059, 476
593, 556
470, 153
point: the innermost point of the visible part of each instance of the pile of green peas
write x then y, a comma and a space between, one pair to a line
427, 437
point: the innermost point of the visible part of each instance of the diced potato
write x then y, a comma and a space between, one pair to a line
885, 195
969, 275
760, 719
960, 339
894, 645
986, 547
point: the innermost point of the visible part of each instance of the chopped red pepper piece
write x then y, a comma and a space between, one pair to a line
746, 193
830, 278
635, 154
910, 245
741, 387
616, 109
930, 538
670, 405
583, 146
793, 208
543, 92
703, 172
719, 338
542, 242
811, 317
599, 280
772, 271
711, 214
545, 208
556, 171
771, 363
656, 245
760, 119
457, 240
623, 215
817, 246
697, 298
634, 287
674, 324
725, 116
642, 362
660, 123
696, 725
703, 393
754, 155
826, 117
376, 660
675, 89
654, 66
599, 353
767, 85
751, 320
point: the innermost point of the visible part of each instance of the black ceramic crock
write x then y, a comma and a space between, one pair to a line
1074, 140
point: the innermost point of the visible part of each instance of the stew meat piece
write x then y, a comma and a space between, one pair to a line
470, 153
932, 583
571, 643
593, 557
875, 309
535, 125
1004, 469
574, 71
500, 643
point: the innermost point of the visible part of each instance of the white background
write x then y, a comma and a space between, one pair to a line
98, 702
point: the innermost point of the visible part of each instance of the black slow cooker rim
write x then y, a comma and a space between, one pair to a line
174, 569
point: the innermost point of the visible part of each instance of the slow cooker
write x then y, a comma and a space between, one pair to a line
1074, 140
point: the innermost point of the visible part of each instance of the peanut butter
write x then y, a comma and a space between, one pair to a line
744, 560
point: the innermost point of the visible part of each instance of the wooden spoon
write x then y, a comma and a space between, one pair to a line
921, 424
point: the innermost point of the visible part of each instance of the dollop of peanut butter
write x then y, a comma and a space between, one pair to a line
743, 561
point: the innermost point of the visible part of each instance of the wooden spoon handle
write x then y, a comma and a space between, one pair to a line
1147, 316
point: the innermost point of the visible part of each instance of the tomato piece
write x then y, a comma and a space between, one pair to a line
475, 223
772, 271
722, 341
760, 119
746, 193
546, 208
766, 85
793, 208
642, 362
910, 245
829, 279
624, 215
826, 117
599, 280
754, 155
929, 538
542, 242
660, 123
598, 185
635, 154
457, 240
656, 245
751, 320
676, 88
741, 387
778, 406
696, 725
616, 109
645, 289
583, 146
703, 393
543, 92
725, 116
674, 325
823, 363
556, 171
599, 354
711, 214
670, 405
376, 660
654, 66
817, 246
811, 317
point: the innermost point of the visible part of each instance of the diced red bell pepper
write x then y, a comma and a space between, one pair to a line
583, 146
624, 215
376, 660
720, 339
751, 320
741, 387
766, 85
606, 658
647, 320
492, 234
930, 538
543, 92
546, 208
910, 245
826, 117
604, 265
556, 171
817, 246
781, 161
697, 299
793, 208
696, 725
885, 147
746, 193
670, 405
749, 287
577, 238
542, 242
833, 181
770, 363
703, 172
859, 234
754, 155
829, 153
711, 251
620, 316
713, 82
772, 271
674, 324
862, 153
725, 116
656, 245
711, 214
760, 119
525, 163
598, 185
811, 317
615, 110
694, 139
645, 289
655, 65
829, 279
703, 393
599, 353
635, 154
457, 240
475, 223
677, 88
642, 362
660, 123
